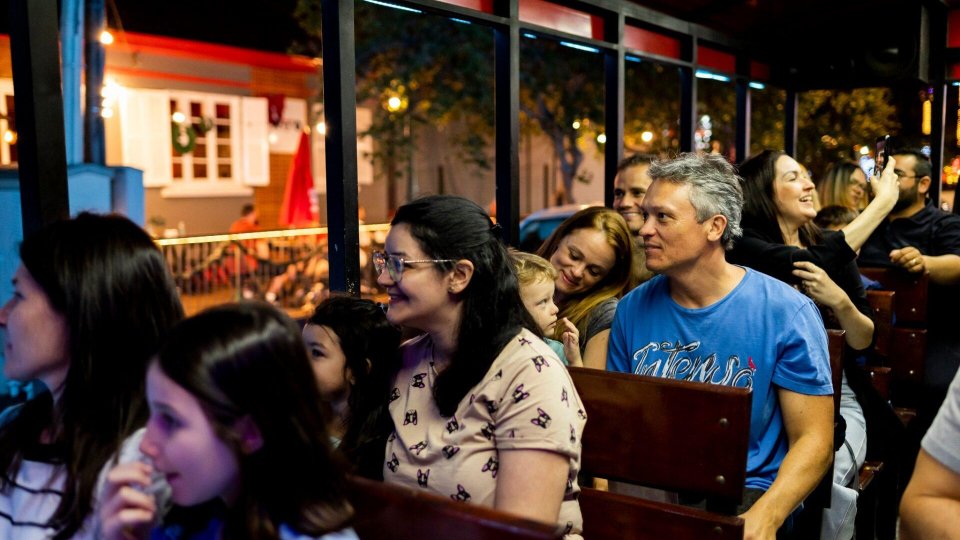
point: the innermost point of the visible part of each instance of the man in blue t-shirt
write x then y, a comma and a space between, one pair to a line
706, 320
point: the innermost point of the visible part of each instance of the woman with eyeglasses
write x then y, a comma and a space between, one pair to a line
593, 253
781, 239
484, 411
844, 184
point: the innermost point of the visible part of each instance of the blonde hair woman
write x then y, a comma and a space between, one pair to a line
593, 254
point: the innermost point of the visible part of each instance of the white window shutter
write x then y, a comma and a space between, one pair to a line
364, 147
145, 134
255, 145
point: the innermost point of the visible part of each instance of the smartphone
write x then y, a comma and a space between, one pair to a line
883, 150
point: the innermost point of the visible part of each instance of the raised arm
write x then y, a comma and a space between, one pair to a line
887, 191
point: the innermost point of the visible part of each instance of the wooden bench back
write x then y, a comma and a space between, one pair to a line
392, 512
912, 293
666, 434
882, 304
611, 516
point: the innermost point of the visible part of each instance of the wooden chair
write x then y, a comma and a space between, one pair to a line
906, 351
882, 303
911, 289
392, 512
666, 434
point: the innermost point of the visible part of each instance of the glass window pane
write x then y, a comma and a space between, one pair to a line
223, 110
716, 127
562, 108
431, 128
951, 148
767, 117
199, 170
11, 138
224, 171
651, 108
834, 125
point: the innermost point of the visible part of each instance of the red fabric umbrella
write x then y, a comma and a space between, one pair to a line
295, 210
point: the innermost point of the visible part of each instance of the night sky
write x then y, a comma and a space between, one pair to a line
266, 25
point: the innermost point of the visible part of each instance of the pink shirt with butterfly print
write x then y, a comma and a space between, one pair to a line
526, 401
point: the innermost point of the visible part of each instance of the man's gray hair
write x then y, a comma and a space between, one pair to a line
714, 188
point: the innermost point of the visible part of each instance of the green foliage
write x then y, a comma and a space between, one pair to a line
441, 70
651, 103
831, 122
559, 87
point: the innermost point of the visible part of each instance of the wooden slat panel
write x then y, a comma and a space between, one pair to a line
882, 303
391, 512
613, 516
667, 434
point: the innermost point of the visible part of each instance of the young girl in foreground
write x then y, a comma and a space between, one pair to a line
537, 283
234, 416
354, 352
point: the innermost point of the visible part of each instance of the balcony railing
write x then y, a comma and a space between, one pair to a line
288, 268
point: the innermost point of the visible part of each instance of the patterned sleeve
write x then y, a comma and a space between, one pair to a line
539, 408
804, 362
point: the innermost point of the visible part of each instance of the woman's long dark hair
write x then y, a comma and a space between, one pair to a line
107, 278
759, 209
249, 361
371, 346
449, 227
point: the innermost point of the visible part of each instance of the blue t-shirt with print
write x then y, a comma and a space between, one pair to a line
763, 335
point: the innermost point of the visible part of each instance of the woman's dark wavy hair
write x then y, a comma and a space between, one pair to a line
759, 209
449, 227
248, 361
107, 278
365, 336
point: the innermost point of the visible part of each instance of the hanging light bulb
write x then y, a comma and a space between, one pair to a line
106, 37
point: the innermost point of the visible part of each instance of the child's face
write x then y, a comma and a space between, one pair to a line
183, 445
538, 299
328, 362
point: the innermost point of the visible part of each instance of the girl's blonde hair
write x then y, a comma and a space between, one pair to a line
531, 268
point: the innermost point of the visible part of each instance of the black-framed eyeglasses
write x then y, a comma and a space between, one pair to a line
395, 264
901, 175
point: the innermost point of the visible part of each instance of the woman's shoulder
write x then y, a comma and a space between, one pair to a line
523, 354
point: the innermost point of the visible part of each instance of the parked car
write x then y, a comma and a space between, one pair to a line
536, 227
